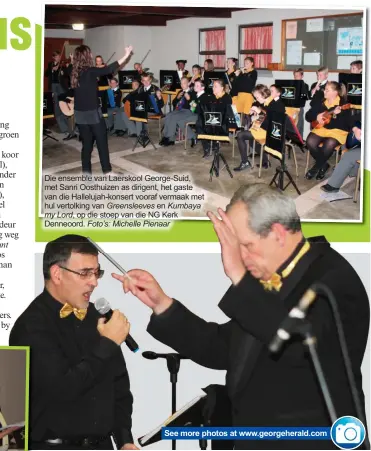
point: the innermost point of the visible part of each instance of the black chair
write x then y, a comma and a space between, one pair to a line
275, 145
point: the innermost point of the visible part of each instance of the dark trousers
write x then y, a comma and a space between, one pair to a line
105, 444
242, 138
205, 142
89, 133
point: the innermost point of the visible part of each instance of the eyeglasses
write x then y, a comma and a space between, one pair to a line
86, 273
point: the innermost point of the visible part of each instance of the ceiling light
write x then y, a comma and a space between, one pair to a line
78, 26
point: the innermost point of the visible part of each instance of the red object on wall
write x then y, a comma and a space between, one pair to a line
215, 40
259, 38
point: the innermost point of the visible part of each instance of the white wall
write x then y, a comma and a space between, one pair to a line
106, 40
12, 384
68, 34
179, 39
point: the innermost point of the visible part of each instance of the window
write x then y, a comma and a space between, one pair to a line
256, 41
212, 46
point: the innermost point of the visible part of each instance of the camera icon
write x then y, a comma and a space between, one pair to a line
348, 432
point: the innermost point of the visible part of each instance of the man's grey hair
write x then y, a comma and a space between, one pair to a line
267, 206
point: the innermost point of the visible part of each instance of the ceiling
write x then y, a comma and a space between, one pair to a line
63, 16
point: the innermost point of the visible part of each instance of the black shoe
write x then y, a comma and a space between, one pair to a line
329, 189
266, 164
164, 141
169, 143
322, 172
242, 166
70, 136
120, 133
207, 153
193, 142
311, 173
133, 135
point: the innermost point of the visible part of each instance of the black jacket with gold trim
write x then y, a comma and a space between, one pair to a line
278, 390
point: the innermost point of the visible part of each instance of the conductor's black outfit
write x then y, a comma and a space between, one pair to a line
79, 385
89, 117
278, 390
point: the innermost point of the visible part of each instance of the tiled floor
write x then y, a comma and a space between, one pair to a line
64, 157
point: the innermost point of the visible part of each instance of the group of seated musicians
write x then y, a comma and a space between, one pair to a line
325, 96
266, 100
252, 99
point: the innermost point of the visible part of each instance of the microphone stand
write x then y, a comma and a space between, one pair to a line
304, 328
173, 365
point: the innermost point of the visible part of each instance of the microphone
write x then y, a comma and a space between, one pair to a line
290, 322
150, 355
104, 308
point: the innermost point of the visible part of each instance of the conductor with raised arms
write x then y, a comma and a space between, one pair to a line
271, 265
88, 114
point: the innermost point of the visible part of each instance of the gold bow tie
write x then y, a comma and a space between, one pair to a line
273, 283
67, 309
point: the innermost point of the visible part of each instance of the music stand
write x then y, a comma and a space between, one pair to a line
215, 121
48, 113
126, 78
170, 83
275, 145
139, 113
214, 409
353, 85
170, 78
292, 92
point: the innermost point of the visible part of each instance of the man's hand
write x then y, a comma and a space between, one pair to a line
337, 110
187, 96
159, 94
116, 329
129, 446
146, 288
233, 264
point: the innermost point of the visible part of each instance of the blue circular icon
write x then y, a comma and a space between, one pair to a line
348, 432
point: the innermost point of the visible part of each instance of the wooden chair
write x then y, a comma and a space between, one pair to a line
157, 117
234, 133
5, 440
337, 150
357, 186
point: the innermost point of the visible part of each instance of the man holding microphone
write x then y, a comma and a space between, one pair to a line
271, 265
79, 393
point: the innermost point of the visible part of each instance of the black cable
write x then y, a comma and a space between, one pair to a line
319, 287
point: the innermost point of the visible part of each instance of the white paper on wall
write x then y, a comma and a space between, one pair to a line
294, 53
314, 25
312, 59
